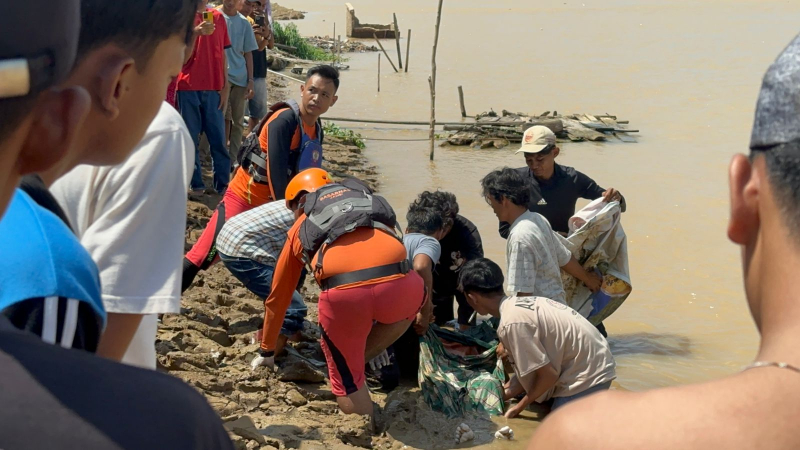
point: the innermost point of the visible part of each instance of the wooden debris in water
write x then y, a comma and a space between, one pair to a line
498, 131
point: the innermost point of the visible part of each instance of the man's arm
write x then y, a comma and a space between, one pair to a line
280, 134
591, 280
203, 29
248, 61
590, 190
543, 380
284, 282
250, 45
226, 88
119, 332
423, 265
226, 44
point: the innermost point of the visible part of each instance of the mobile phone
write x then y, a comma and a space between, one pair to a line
261, 21
208, 16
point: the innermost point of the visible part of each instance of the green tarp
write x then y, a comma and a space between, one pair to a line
456, 385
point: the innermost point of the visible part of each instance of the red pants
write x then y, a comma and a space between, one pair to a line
346, 317
204, 252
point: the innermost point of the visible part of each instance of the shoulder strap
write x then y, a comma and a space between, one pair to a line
291, 104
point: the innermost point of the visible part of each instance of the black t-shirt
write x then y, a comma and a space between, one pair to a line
556, 198
462, 244
57, 398
260, 63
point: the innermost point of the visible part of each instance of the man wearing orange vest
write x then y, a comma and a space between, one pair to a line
369, 294
287, 141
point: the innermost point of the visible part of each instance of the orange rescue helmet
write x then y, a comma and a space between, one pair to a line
306, 181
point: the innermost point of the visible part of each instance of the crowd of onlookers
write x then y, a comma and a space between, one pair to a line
94, 169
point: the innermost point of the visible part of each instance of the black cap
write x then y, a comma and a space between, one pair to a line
37, 45
778, 109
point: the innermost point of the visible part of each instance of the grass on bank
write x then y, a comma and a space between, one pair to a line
349, 137
288, 35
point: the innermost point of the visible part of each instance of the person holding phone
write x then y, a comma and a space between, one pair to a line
203, 94
262, 27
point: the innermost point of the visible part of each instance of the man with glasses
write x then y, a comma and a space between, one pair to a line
555, 189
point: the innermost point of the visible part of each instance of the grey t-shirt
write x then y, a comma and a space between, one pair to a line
421, 244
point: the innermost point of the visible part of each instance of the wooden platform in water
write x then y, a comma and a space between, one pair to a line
499, 130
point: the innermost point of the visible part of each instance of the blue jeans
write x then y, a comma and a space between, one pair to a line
257, 278
200, 111
561, 401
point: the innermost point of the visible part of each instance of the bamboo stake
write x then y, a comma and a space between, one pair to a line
432, 78
461, 100
384, 51
408, 47
397, 41
379, 72
333, 38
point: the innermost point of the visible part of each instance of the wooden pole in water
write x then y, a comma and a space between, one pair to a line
379, 72
408, 47
384, 51
333, 38
339, 46
432, 78
397, 41
461, 100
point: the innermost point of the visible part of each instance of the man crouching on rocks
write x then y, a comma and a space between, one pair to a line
347, 236
555, 352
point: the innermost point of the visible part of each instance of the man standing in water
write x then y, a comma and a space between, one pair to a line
555, 188
757, 407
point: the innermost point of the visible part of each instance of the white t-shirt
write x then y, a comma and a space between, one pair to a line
537, 331
132, 217
534, 256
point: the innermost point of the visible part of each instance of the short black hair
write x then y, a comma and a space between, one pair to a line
783, 168
325, 71
443, 202
138, 26
481, 275
423, 220
508, 183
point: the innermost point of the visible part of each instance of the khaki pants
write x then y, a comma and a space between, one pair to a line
234, 115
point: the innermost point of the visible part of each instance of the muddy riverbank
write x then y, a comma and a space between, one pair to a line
211, 343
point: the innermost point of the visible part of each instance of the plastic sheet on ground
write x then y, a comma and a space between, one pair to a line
601, 243
457, 385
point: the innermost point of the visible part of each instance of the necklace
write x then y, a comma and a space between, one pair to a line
780, 365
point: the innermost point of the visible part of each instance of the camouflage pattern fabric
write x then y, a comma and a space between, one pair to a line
456, 385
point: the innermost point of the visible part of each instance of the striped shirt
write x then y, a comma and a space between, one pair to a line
258, 234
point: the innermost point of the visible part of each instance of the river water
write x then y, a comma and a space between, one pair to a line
686, 73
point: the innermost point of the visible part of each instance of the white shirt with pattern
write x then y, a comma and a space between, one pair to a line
258, 234
534, 256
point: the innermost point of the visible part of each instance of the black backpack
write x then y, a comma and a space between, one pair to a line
340, 208
252, 158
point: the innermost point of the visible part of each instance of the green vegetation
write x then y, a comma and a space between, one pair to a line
288, 35
348, 136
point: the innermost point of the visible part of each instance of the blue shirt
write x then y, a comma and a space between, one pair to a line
41, 257
243, 40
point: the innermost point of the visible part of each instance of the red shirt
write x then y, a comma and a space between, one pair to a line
205, 70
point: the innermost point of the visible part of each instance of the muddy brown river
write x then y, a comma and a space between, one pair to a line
684, 72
